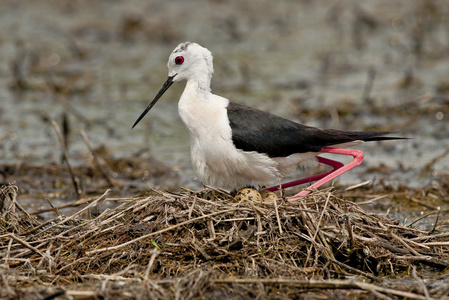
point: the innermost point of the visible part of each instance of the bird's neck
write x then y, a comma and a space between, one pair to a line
197, 89
199, 107
201, 83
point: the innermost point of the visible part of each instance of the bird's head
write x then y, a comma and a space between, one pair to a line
189, 61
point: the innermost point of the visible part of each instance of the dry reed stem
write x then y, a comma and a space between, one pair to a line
327, 284
66, 157
66, 205
97, 162
17, 239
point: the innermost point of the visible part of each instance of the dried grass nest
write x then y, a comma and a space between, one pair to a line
182, 246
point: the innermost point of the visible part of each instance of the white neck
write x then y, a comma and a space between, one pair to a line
196, 92
197, 106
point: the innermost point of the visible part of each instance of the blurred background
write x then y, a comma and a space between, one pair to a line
95, 65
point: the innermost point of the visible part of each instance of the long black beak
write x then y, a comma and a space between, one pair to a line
165, 87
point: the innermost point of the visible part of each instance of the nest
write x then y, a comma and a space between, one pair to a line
181, 245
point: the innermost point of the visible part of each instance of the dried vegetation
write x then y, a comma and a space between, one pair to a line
180, 245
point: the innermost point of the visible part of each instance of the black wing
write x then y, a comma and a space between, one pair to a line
256, 130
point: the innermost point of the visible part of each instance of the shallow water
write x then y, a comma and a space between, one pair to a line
103, 62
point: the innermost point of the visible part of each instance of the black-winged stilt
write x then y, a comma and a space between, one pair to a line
235, 146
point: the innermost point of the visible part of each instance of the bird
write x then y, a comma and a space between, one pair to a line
234, 146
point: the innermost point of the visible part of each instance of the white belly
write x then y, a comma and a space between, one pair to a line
232, 169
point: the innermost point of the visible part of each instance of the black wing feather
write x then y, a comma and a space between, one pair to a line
256, 130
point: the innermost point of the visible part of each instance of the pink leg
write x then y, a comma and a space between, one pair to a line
323, 178
335, 164
358, 158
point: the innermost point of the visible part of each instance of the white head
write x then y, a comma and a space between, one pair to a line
189, 61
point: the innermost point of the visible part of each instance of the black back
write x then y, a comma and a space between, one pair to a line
256, 130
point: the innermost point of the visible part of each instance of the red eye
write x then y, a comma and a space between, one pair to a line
179, 60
